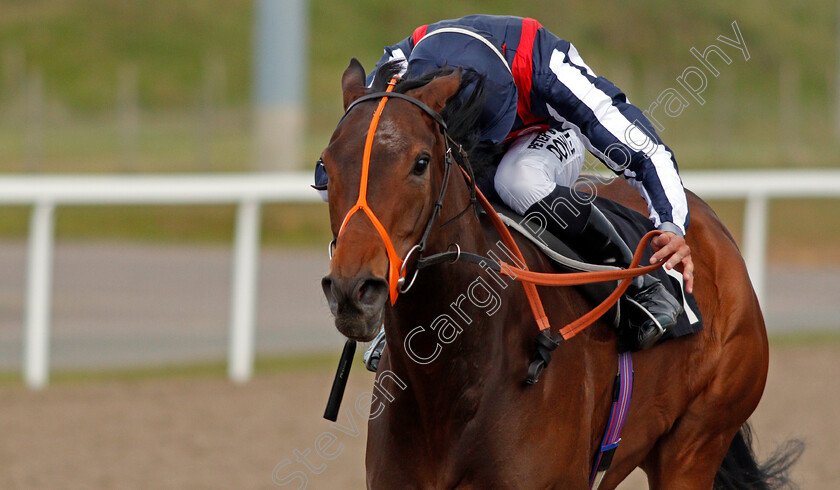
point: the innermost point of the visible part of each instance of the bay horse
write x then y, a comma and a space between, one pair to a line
467, 420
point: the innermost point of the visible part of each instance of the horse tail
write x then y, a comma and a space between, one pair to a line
740, 470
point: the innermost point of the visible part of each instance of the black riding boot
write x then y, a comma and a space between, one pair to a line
584, 226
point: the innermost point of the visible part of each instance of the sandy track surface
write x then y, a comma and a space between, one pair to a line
204, 432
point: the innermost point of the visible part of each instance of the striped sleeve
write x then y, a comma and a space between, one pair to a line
612, 129
399, 51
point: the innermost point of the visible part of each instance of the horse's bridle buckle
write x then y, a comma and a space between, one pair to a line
401, 280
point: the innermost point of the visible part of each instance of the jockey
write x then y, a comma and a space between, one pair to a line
547, 105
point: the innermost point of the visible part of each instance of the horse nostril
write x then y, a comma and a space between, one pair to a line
372, 291
327, 286
354, 293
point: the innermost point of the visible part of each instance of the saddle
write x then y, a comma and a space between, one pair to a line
631, 226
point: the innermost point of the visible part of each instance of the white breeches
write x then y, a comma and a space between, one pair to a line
535, 163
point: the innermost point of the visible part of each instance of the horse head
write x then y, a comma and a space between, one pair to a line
386, 165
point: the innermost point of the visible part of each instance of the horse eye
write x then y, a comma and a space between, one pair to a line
420, 165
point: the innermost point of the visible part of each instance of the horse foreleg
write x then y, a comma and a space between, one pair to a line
688, 457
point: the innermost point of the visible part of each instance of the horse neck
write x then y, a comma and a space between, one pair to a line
439, 335
476, 377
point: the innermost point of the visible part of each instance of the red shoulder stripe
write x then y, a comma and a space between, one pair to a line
537, 127
523, 68
419, 33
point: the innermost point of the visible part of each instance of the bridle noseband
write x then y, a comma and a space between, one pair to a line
396, 265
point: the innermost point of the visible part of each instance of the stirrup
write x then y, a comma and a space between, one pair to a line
636, 329
658, 321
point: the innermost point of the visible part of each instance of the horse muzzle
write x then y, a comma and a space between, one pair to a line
357, 303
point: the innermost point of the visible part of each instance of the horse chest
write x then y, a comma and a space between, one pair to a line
498, 447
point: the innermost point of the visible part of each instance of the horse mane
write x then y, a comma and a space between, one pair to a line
461, 114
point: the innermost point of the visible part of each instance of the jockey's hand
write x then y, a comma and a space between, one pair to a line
673, 245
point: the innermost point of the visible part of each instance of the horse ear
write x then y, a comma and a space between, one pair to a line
435, 93
353, 82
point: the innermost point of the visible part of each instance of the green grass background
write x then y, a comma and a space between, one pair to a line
774, 110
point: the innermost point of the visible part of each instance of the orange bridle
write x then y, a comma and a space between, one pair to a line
529, 279
396, 265
394, 261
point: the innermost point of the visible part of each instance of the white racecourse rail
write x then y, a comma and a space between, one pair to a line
249, 191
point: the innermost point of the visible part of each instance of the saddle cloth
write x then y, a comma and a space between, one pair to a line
632, 226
